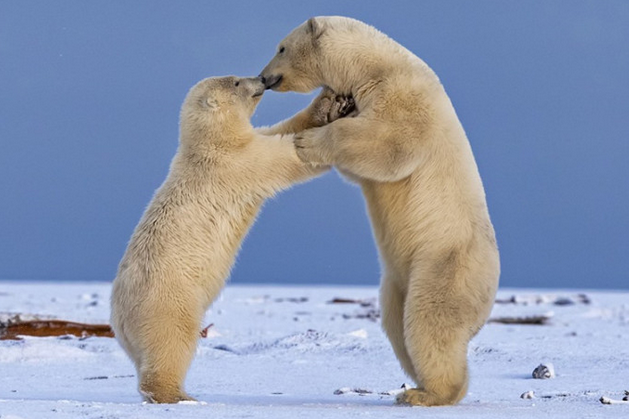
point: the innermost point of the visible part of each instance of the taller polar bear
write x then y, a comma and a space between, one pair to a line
409, 153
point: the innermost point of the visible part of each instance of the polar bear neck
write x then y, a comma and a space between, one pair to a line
214, 138
226, 126
355, 57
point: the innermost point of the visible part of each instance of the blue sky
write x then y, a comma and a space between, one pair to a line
90, 94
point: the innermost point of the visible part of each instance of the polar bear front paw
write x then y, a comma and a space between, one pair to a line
328, 107
341, 107
310, 148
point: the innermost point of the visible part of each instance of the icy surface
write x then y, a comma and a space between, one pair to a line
286, 352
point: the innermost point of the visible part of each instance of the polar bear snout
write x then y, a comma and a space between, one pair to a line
271, 82
259, 92
259, 85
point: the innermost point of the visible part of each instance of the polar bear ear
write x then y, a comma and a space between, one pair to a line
209, 103
314, 27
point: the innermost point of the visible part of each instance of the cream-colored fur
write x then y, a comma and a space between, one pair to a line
183, 247
407, 150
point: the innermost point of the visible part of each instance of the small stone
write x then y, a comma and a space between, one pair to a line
564, 301
528, 395
343, 390
584, 299
544, 371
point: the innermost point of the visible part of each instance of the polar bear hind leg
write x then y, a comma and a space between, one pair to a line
437, 331
163, 367
440, 359
392, 304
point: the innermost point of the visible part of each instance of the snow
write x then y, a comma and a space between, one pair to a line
286, 352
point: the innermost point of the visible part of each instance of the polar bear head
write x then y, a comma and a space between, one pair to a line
334, 51
219, 105
216, 96
296, 64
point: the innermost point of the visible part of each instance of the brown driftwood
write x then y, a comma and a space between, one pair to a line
205, 330
540, 319
339, 300
362, 303
14, 328
545, 299
41, 328
607, 400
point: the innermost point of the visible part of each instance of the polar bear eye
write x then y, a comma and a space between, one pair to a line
282, 49
237, 84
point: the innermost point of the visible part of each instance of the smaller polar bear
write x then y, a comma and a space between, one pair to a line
184, 246
409, 153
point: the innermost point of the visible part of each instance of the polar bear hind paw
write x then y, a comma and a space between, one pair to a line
159, 398
418, 397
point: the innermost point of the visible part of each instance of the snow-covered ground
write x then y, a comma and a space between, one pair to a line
283, 352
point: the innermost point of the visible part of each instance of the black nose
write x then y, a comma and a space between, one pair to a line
262, 79
272, 81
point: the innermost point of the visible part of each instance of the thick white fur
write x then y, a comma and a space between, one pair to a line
183, 247
409, 153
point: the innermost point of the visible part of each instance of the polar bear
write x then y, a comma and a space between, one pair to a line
409, 153
183, 248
